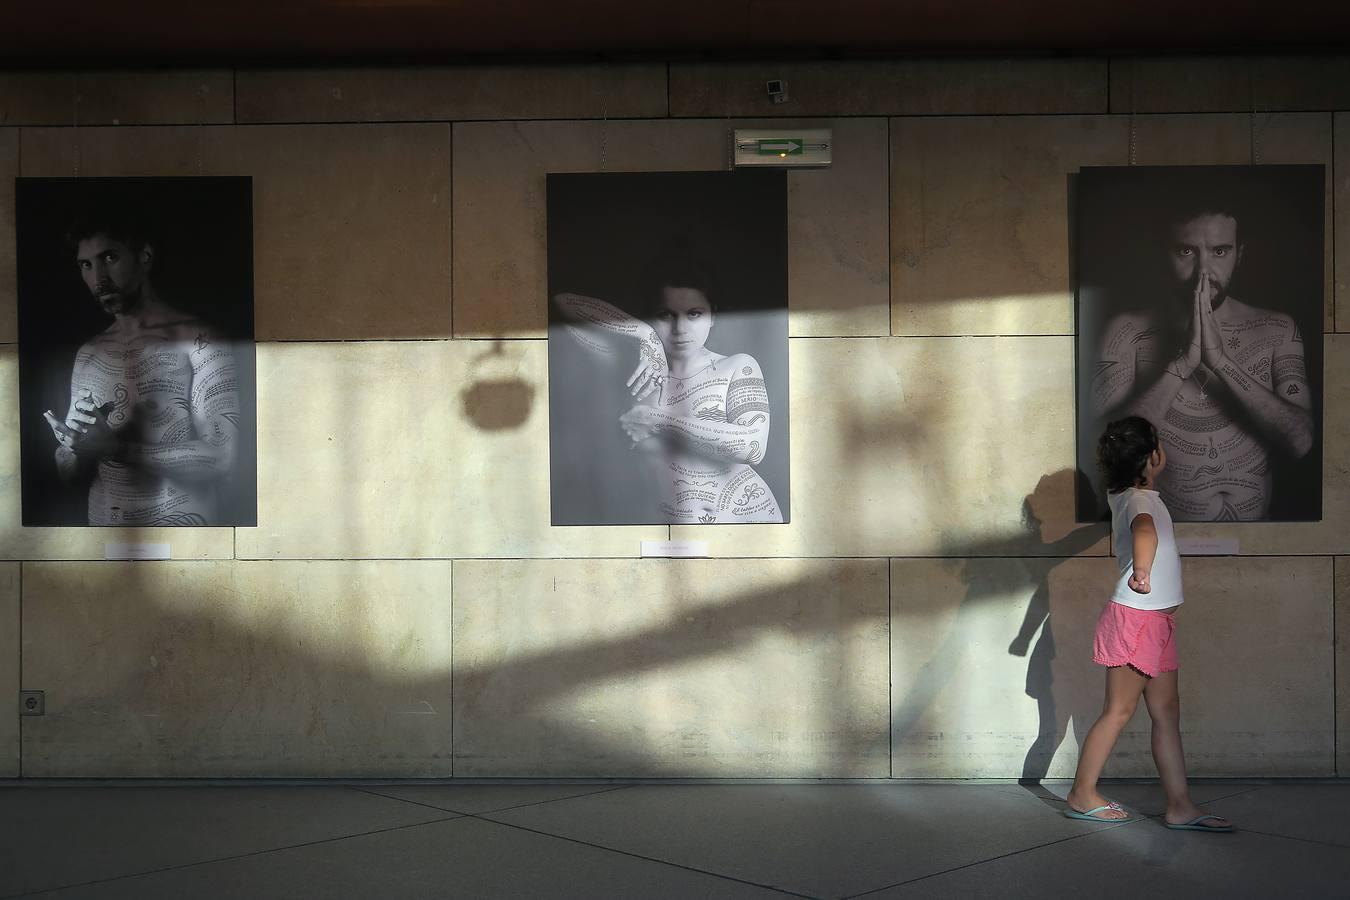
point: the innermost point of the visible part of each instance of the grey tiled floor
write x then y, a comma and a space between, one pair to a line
879, 840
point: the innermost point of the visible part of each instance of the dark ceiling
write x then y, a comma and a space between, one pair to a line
135, 33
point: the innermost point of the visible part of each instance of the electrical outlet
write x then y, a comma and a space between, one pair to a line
32, 703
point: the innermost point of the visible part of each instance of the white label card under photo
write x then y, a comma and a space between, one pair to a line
1208, 546
680, 549
137, 551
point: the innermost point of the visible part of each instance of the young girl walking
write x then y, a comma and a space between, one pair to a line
1135, 637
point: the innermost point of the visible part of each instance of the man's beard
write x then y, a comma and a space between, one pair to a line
1218, 295
1176, 334
1185, 297
115, 302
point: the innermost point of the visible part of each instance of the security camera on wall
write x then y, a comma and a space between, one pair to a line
777, 89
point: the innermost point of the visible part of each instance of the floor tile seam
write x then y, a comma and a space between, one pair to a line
1249, 790
1290, 837
482, 812
37, 783
1160, 818
587, 795
1219, 799
632, 855
231, 858
980, 862
360, 790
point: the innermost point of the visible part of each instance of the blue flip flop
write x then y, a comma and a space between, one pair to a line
1071, 813
1194, 825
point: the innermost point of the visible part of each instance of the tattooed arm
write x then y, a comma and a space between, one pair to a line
1282, 411
1153, 401
743, 435
593, 315
1130, 341
203, 446
1113, 372
1117, 388
84, 437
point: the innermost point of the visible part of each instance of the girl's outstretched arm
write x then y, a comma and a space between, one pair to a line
1145, 549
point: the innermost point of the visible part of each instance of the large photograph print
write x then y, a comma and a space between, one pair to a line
1200, 308
668, 348
136, 364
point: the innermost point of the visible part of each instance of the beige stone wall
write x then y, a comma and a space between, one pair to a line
9, 667
928, 611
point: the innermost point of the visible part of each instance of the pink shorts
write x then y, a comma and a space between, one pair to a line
1143, 639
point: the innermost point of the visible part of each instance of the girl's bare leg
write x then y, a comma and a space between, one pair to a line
1164, 708
1123, 687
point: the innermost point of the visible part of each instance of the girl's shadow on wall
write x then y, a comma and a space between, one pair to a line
999, 571
1065, 688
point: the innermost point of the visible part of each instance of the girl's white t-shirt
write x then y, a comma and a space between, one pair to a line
1165, 578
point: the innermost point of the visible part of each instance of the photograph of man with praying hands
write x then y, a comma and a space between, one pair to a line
1200, 294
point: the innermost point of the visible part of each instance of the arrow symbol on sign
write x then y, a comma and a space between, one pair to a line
780, 146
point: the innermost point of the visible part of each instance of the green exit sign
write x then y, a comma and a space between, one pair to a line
784, 147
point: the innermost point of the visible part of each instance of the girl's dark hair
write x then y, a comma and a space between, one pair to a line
1123, 451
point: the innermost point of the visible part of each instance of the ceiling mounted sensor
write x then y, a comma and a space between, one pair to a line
791, 147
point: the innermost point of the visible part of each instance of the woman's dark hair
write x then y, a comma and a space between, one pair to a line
1123, 451
673, 269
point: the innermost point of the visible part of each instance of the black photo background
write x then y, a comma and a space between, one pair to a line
1121, 226
603, 230
202, 231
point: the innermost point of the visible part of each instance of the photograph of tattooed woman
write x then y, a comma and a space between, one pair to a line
678, 413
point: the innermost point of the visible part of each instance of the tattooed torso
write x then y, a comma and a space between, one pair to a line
1218, 468
155, 378
705, 487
